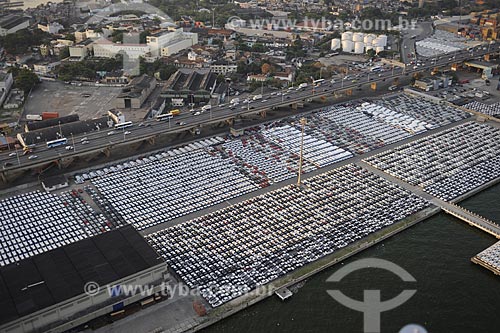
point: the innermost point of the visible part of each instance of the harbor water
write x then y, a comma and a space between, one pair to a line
452, 293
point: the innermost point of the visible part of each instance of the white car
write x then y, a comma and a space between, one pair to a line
84, 142
12, 154
111, 133
126, 132
84, 139
69, 148
32, 157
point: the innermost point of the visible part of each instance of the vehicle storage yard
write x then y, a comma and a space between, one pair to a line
288, 228
225, 168
447, 164
272, 234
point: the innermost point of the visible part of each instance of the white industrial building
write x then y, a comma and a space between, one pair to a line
170, 42
162, 44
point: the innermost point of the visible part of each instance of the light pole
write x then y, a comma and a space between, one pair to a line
73, 140
17, 155
303, 123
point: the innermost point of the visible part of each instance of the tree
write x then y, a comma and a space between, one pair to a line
371, 53
64, 53
267, 68
25, 80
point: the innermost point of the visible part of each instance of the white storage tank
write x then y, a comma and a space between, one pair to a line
347, 45
377, 42
358, 37
359, 47
384, 39
368, 39
347, 35
379, 49
335, 44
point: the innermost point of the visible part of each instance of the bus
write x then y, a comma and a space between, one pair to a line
318, 82
56, 143
165, 116
123, 125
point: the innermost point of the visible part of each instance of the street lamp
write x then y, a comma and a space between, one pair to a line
303, 123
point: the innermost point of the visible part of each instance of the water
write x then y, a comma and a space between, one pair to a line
453, 294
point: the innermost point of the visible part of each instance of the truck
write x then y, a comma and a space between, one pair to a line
235, 100
36, 117
302, 85
206, 107
256, 97
175, 112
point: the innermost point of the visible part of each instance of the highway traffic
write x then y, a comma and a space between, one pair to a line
99, 140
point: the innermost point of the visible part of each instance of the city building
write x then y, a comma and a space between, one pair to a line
166, 43
64, 130
136, 92
54, 183
46, 292
223, 67
189, 87
51, 28
6, 82
10, 24
37, 125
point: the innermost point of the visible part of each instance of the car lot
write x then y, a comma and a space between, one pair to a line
447, 164
232, 251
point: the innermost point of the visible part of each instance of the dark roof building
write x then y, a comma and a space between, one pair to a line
193, 86
47, 290
36, 125
66, 130
136, 92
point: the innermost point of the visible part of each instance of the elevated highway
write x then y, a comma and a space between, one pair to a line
105, 140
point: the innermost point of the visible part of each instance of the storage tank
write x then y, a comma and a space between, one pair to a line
384, 39
347, 46
379, 49
335, 44
377, 42
368, 39
347, 35
359, 47
358, 37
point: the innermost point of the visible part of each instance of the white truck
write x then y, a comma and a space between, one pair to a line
302, 85
206, 107
256, 97
235, 100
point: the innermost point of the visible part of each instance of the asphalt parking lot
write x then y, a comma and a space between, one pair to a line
85, 101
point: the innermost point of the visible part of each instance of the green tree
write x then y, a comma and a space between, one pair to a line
64, 53
26, 80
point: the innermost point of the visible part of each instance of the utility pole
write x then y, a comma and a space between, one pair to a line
303, 123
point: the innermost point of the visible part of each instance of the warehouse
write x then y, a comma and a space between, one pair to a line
187, 86
36, 125
133, 95
67, 130
46, 292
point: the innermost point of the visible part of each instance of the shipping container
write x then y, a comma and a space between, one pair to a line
50, 115
33, 117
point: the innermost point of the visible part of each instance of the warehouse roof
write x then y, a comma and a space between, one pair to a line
55, 276
53, 132
33, 126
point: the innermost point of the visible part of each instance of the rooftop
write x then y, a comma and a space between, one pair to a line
55, 276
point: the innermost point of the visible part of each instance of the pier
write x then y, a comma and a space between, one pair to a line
471, 218
489, 258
